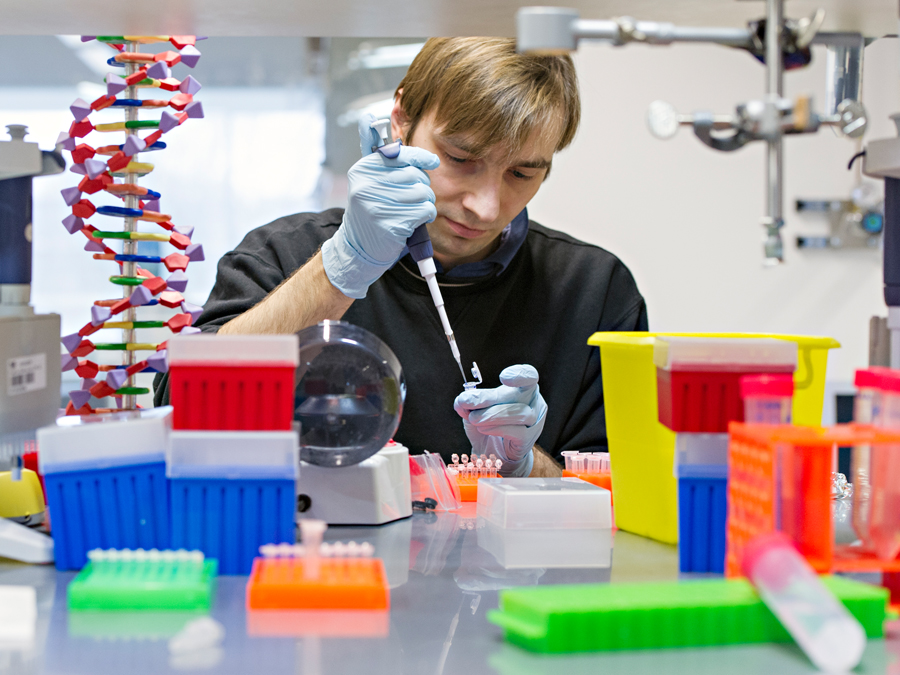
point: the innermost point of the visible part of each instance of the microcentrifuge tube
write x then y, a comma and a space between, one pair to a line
465, 459
479, 468
470, 469
455, 459
498, 464
311, 532
578, 463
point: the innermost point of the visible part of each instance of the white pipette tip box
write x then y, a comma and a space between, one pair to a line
540, 503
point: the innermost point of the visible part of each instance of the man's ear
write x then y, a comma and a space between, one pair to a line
399, 119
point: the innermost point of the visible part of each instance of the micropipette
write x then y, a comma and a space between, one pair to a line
419, 243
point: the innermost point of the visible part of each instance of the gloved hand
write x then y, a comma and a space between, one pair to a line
388, 199
507, 420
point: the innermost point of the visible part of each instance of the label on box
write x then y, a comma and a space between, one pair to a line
26, 373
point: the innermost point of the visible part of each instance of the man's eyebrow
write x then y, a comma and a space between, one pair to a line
468, 148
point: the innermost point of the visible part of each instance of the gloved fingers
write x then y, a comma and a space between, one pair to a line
368, 137
521, 375
510, 414
378, 170
476, 399
414, 193
417, 157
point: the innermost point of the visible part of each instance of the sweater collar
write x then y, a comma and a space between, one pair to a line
511, 239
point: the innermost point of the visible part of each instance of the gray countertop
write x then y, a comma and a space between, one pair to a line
443, 582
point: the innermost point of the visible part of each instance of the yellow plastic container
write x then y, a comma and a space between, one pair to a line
642, 450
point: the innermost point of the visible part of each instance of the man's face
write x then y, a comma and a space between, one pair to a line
477, 196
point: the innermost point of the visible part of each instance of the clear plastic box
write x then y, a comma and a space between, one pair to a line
232, 454
701, 455
702, 354
81, 442
540, 503
548, 548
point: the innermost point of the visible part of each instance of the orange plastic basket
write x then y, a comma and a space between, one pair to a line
342, 583
779, 477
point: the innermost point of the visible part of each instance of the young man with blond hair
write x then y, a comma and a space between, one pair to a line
480, 125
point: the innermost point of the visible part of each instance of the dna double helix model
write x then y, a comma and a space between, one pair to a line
116, 170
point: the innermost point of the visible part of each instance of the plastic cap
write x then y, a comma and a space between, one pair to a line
767, 385
890, 380
868, 378
757, 547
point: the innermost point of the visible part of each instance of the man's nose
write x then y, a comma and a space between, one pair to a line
483, 198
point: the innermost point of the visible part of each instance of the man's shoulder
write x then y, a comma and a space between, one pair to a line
571, 271
291, 240
551, 245
308, 225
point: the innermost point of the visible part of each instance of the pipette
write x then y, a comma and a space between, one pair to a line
419, 243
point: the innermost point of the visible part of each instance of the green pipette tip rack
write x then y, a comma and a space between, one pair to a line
606, 617
160, 580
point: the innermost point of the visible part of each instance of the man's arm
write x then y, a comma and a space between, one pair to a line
303, 299
544, 465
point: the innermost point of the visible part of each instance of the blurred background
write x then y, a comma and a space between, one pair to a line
280, 133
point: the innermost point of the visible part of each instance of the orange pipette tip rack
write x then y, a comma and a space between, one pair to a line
603, 480
468, 488
342, 583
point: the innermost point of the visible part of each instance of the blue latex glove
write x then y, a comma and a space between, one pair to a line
507, 420
388, 199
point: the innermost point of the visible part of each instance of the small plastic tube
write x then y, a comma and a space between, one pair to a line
568, 454
455, 459
479, 468
578, 461
311, 532
767, 398
875, 471
604, 462
593, 464
465, 460
830, 636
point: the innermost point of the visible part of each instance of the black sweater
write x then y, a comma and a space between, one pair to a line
541, 310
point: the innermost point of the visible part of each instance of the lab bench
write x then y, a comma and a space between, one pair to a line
442, 584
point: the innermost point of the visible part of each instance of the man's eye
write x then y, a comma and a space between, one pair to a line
521, 176
458, 160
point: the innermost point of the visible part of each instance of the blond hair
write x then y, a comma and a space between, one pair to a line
482, 88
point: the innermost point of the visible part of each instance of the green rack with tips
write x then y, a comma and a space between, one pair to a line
134, 580
606, 617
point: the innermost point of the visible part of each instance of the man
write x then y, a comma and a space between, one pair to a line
480, 125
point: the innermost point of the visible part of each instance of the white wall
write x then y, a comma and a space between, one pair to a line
685, 218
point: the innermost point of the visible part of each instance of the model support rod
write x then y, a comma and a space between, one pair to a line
774, 218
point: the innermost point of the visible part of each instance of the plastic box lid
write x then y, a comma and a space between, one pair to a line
83, 442
233, 454
538, 503
700, 449
233, 350
724, 354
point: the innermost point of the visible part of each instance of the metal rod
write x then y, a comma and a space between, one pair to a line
625, 29
774, 158
130, 247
